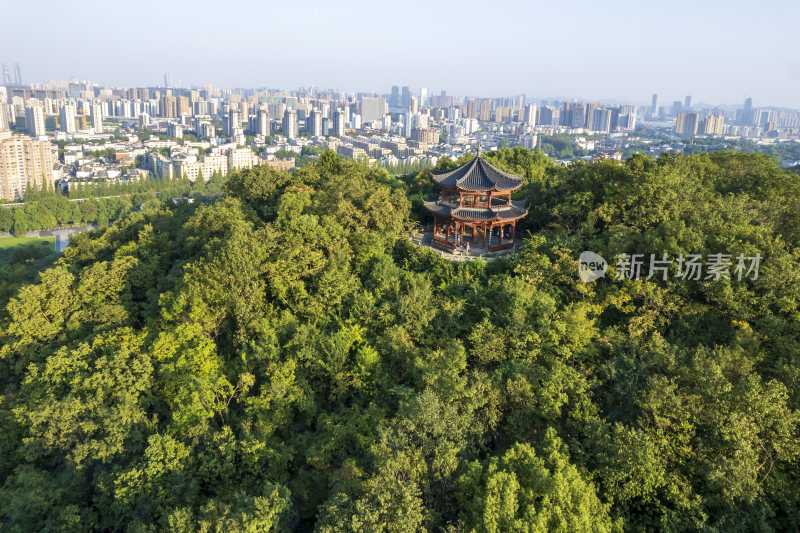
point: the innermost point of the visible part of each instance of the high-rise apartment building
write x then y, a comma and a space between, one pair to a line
601, 120
338, 123
96, 110
654, 106
486, 111
686, 124
290, 124
530, 114
66, 118
549, 116
314, 123
34, 120
574, 114
712, 125
262, 123
232, 123
168, 105
472, 108
24, 164
372, 109
182, 106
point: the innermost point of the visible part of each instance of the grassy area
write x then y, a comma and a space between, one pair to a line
14, 242
21, 260
14, 249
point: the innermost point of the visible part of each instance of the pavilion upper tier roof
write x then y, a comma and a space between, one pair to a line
478, 175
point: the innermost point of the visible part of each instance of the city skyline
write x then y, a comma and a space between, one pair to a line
166, 82
623, 52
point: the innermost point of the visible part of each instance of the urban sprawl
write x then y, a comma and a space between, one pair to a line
72, 133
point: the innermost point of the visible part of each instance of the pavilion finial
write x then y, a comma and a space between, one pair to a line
479, 150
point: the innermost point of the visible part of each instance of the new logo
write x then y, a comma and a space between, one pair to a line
591, 267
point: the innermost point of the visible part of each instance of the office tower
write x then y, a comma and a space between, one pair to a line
687, 103
747, 112
686, 124
97, 117
314, 123
677, 107
290, 124
394, 100
66, 118
423, 96
530, 114
338, 123
34, 119
167, 80
24, 164
654, 107
406, 98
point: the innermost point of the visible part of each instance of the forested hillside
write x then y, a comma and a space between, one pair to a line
284, 359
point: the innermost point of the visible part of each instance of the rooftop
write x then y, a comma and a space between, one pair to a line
478, 175
513, 211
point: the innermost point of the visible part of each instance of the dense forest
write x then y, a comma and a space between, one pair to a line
96, 204
283, 358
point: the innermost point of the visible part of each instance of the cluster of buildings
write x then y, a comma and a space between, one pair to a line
24, 163
202, 132
745, 122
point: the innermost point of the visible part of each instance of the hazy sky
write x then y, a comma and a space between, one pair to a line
717, 51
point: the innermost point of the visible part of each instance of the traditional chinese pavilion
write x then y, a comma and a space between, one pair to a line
476, 206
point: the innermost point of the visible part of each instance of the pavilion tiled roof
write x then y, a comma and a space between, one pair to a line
513, 211
478, 175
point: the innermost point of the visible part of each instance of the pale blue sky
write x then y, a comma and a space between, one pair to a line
717, 51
